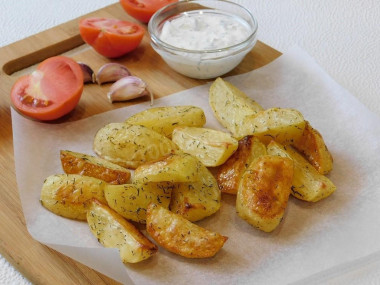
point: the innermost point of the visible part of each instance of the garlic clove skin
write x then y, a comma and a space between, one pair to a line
111, 72
88, 73
128, 88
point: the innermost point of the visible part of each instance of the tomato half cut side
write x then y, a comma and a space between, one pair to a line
51, 91
143, 10
111, 37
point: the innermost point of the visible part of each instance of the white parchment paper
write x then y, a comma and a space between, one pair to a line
312, 239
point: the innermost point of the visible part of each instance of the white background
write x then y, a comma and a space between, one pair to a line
343, 36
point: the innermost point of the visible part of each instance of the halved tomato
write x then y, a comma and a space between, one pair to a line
111, 37
51, 91
143, 10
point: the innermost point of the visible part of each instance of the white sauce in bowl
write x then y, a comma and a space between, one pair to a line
205, 43
202, 30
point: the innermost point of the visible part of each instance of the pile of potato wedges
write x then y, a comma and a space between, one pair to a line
153, 169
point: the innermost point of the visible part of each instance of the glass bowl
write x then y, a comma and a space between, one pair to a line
203, 63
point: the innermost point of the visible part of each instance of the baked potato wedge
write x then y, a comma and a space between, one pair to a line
179, 167
131, 200
314, 149
88, 165
164, 119
229, 174
264, 191
131, 145
180, 236
197, 200
210, 146
113, 231
308, 184
69, 195
280, 124
230, 105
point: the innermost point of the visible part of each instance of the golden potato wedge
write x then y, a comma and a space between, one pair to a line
131, 145
68, 195
88, 165
132, 200
280, 124
179, 167
113, 231
229, 174
180, 236
313, 147
196, 200
210, 146
231, 105
308, 183
264, 191
164, 119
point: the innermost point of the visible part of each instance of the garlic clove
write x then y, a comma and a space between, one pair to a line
111, 72
128, 88
88, 73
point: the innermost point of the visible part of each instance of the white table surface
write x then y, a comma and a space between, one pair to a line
342, 36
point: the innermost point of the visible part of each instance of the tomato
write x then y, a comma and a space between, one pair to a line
111, 37
143, 10
51, 91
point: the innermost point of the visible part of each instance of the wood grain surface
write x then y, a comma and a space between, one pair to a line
39, 263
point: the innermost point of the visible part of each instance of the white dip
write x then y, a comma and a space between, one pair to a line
202, 30
209, 35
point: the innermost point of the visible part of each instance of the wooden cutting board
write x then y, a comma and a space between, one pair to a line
38, 263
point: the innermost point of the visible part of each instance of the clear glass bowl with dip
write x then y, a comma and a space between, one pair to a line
203, 38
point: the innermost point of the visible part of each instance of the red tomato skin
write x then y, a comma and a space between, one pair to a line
107, 43
143, 10
60, 106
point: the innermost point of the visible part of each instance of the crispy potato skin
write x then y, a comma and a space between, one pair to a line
229, 174
131, 145
264, 191
87, 165
313, 147
69, 195
308, 184
112, 230
164, 119
180, 236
